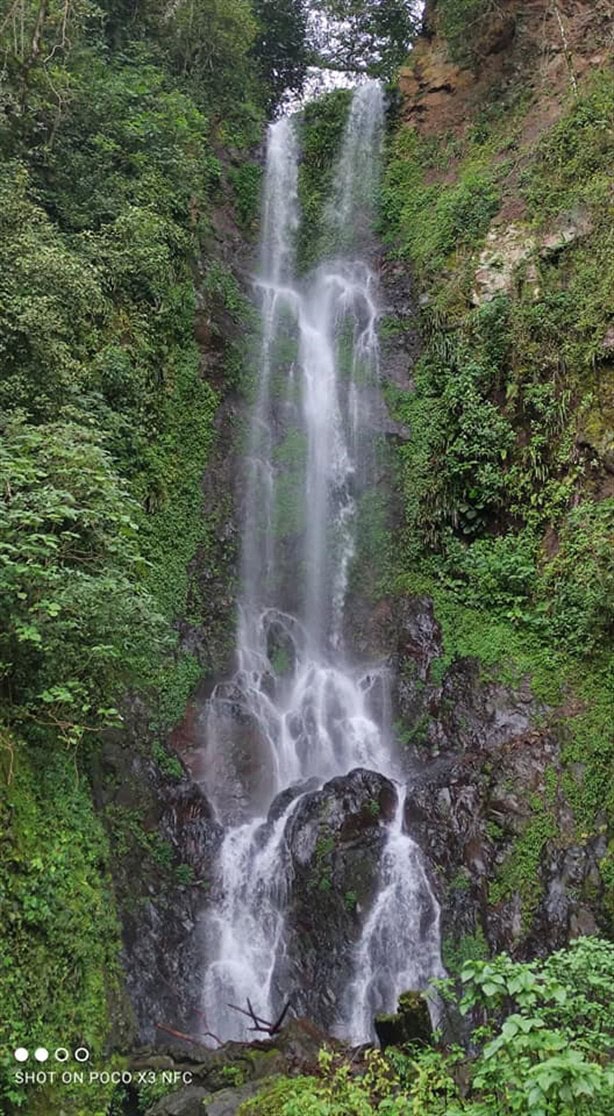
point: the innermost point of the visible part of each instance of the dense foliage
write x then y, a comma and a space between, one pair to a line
111, 114
540, 1048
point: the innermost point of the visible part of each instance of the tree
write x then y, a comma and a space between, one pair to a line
363, 36
281, 47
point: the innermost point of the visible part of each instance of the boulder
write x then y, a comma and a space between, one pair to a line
188, 1101
335, 839
570, 227
229, 1101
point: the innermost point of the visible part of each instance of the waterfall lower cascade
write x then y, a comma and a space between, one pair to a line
298, 712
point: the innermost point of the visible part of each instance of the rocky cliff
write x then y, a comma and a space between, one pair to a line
496, 199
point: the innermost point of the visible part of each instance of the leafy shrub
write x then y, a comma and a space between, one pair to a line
538, 1050
60, 938
578, 582
51, 305
432, 220
75, 614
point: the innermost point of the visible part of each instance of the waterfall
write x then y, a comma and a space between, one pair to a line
298, 711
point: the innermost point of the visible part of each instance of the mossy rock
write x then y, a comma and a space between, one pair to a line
411, 1023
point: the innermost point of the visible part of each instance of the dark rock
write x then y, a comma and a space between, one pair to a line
480, 756
188, 1101
159, 908
335, 839
419, 634
411, 1023
234, 757
294, 1050
282, 801
229, 1101
188, 820
464, 713
300, 1042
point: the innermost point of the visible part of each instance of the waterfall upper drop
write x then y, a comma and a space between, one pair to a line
298, 711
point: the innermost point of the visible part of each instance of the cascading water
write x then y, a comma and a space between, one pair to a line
297, 712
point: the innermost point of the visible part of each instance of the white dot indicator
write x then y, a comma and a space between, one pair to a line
82, 1054
21, 1054
61, 1054
41, 1054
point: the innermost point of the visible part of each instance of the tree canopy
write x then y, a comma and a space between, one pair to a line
363, 36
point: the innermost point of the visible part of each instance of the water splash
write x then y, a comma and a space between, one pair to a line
399, 945
297, 709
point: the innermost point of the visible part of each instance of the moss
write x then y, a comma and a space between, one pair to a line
520, 872
570, 164
168, 763
60, 935
280, 661
373, 563
290, 456
460, 881
414, 736
321, 874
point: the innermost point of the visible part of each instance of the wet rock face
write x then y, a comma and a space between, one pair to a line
225, 751
163, 960
335, 840
485, 802
164, 840
418, 634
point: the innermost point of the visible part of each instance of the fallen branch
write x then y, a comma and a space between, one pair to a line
259, 1024
185, 1037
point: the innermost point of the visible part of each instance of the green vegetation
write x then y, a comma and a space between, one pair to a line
290, 455
321, 878
521, 872
508, 521
471, 947
323, 122
60, 966
128, 144
116, 124
540, 1050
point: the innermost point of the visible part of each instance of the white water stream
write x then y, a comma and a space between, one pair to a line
297, 709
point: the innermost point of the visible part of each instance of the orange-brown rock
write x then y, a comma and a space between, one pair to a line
545, 45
